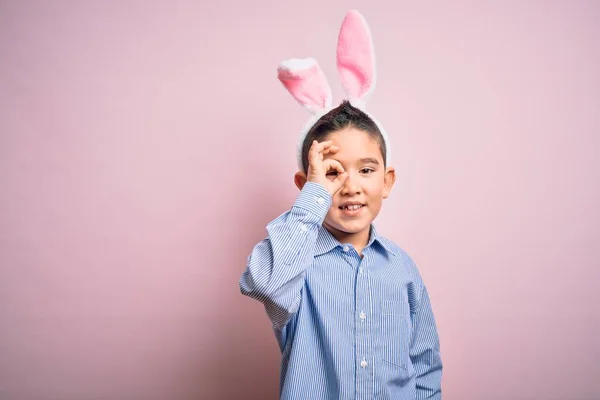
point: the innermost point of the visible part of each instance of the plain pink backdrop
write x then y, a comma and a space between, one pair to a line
144, 146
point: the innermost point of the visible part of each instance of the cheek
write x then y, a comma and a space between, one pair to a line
331, 214
374, 188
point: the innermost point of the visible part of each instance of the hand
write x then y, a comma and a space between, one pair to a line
318, 168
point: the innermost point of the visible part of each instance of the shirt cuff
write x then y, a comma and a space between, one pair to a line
315, 199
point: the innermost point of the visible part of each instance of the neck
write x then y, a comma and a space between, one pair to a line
358, 240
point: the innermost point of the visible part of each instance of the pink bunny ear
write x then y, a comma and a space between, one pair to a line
356, 57
305, 80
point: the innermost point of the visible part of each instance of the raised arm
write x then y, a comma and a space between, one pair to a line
275, 270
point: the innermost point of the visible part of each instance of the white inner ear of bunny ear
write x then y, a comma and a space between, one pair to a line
304, 64
295, 64
361, 103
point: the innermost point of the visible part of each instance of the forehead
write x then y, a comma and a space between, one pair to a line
355, 144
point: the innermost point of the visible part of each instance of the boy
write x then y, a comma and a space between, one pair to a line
349, 308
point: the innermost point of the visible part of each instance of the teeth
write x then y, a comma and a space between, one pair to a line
352, 207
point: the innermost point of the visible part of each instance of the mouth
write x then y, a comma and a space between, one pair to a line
351, 210
351, 207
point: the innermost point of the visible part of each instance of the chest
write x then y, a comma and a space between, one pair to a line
346, 286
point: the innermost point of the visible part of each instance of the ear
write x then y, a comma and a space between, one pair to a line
306, 82
300, 179
388, 181
356, 57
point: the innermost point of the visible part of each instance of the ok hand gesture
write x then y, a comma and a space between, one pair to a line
319, 169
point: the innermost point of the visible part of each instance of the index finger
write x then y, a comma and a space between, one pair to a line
323, 145
331, 163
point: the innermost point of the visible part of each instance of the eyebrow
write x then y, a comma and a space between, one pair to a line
369, 160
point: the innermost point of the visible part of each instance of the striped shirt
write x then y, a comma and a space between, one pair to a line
348, 327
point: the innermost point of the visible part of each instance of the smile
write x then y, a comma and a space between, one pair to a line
352, 210
352, 207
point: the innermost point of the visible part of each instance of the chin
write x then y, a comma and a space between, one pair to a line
349, 225
349, 228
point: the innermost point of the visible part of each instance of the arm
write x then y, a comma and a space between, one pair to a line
425, 351
276, 268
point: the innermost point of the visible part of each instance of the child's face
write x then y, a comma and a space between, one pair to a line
368, 184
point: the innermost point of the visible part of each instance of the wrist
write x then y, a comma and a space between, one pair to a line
325, 184
314, 197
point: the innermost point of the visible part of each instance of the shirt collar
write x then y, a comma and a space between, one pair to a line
326, 242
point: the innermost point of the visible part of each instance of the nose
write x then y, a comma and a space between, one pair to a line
351, 186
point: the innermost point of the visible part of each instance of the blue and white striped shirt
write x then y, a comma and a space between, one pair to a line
348, 327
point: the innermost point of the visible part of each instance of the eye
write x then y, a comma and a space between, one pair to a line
332, 173
367, 171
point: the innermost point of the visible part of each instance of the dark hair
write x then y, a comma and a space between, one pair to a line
343, 116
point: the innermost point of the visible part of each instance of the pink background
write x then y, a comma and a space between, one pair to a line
145, 145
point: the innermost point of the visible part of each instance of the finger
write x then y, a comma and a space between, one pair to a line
314, 150
314, 157
332, 150
331, 164
321, 148
324, 145
339, 181
326, 142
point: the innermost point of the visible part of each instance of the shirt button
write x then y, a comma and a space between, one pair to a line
303, 228
364, 363
363, 316
360, 270
346, 248
320, 200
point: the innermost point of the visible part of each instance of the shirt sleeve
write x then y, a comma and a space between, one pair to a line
425, 351
275, 270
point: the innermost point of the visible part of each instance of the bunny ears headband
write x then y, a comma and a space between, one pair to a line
306, 82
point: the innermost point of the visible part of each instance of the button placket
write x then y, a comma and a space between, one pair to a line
363, 333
